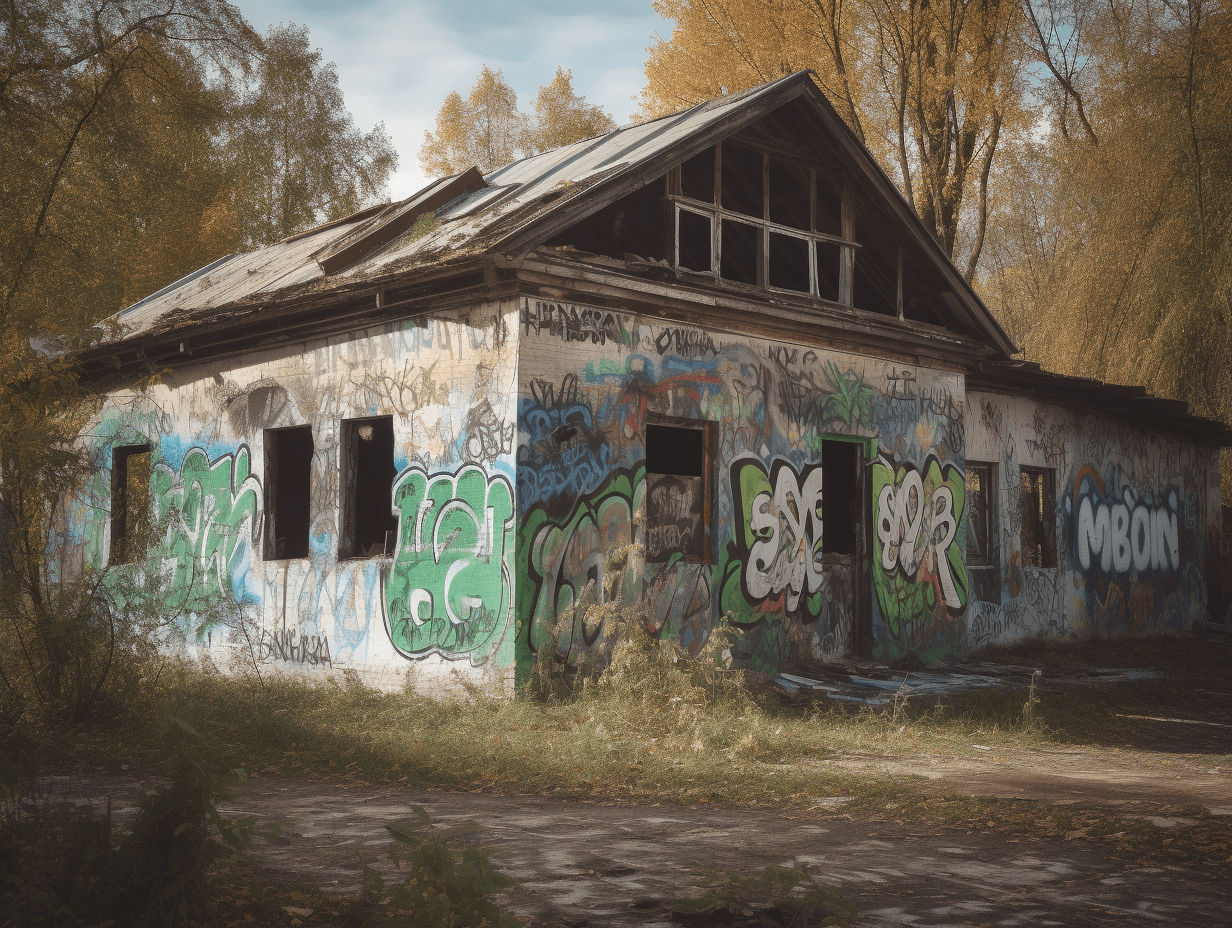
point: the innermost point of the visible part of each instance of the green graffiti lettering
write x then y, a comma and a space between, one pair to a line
449, 589
211, 514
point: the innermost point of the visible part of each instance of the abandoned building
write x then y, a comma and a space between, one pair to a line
409, 439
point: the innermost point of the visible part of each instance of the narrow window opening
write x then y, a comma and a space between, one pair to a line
697, 177
828, 213
789, 195
829, 263
288, 492
741, 250
368, 474
875, 287
677, 491
789, 262
693, 245
981, 514
840, 460
130, 501
741, 186
1036, 504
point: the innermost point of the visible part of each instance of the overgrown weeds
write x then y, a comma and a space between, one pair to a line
65, 864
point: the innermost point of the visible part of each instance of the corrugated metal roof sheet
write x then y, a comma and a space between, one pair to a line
251, 276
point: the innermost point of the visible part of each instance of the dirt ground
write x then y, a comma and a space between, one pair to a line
1147, 783
600, 865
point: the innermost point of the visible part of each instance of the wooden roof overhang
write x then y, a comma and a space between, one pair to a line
543, 273
1130, 406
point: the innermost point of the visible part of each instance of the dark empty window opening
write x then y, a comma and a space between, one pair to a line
130, 501
828, 210
1037, 489
677, 491
981, 514
789, 262
829, 261
839, 496
694, 250
741, 252
288, 492
631, 228
742, 187
875, 286
697, 177
369, 525
789, 195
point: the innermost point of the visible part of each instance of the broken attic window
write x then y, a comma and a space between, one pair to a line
839, 498
777, 222
130, 501
789, 262
875, 287
677, 491
697, 177
630, 228
741, 187
693, 244
829, 260
789, 195
1036, 489
369, 526
288, 492
740, 247
828, 207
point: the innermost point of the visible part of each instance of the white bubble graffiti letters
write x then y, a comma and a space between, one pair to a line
1118, 536
909, 529
787, 552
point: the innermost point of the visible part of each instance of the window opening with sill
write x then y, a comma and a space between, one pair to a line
288, 492
754, 215
130, 501
677, 491
1037, 506
369, 525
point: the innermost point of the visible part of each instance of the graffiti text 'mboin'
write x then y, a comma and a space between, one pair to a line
1117, 536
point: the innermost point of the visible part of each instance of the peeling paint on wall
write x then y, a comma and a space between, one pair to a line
1131, 517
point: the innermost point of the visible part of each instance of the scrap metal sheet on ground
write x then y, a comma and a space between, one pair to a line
878, 685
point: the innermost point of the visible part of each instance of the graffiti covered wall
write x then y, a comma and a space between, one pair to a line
439, 604
590, 381
1131, 518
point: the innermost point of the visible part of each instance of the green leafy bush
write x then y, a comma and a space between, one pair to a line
447, 881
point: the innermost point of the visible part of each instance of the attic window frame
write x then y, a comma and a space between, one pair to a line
848, 247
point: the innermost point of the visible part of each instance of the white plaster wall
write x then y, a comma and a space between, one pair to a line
449, 381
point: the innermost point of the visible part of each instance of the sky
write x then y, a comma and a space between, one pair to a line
397, 61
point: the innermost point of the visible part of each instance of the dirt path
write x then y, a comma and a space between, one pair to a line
599, 865
1147, 783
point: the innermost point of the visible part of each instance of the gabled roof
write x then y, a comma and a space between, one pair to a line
512, 210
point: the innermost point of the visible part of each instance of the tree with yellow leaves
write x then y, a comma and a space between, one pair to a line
931, 88
562, 117
1115, 256
487, 130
